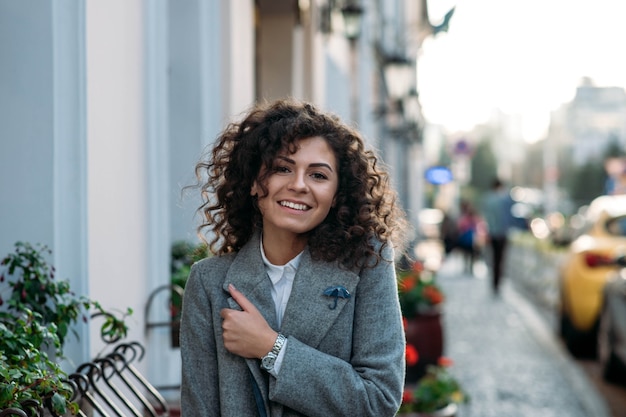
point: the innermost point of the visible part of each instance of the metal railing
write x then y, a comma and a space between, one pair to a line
107, 386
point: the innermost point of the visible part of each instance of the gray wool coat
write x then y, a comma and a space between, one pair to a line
343, 361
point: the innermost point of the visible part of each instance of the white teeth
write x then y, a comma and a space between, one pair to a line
294, 205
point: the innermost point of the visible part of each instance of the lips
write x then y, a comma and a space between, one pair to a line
294, 206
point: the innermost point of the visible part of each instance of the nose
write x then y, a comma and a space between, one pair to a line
298, 182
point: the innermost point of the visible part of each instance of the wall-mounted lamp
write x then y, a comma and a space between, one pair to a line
411, 107
399, 75
352, 15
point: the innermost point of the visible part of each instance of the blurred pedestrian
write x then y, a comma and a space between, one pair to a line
496, 211
297, 314
449, 233
468, 227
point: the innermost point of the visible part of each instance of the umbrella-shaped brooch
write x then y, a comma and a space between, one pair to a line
337, 291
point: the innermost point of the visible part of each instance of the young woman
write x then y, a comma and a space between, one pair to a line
297, 313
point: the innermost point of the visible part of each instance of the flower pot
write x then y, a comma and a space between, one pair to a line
425, 333
448, 411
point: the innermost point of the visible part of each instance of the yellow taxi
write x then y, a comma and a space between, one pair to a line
586, 269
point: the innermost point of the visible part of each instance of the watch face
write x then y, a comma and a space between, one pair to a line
268, 362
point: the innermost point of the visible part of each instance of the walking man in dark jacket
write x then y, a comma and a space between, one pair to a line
497, 215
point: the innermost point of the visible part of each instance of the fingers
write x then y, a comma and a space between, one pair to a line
245, 333
241, 299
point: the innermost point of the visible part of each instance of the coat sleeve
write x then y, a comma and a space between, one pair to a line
199, 396
371, 382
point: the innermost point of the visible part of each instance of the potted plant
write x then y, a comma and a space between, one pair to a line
26, 370
39, 311
418, 291
184, 254
421, 301
437, 393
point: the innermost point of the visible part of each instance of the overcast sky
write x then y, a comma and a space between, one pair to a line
522, 56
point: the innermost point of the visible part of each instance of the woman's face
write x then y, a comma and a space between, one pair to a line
300, 188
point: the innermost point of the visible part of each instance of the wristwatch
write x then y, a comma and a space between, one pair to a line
267, 362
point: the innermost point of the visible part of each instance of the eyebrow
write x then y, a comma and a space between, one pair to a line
313, 165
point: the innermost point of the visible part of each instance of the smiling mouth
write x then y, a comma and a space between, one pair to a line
294, 206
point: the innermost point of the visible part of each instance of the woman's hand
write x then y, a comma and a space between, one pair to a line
246, 333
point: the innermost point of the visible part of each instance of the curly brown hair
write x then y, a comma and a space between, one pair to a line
365, 210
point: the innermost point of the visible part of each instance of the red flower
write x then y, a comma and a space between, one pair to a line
444, 361
407, 396
433, 294
412, 357
405, 323
417, 267
408, 283
417, 290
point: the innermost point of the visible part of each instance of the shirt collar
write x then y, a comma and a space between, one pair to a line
275, 272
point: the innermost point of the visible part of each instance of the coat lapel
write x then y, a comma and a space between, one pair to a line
247, 274
309, 313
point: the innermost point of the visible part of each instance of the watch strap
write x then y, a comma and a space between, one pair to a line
278, 344
267, 362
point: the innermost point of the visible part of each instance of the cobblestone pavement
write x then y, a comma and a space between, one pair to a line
505, 355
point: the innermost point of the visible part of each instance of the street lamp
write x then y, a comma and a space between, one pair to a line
414, 170
412, 111
352, 15
399, 75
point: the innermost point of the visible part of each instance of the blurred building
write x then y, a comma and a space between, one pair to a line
585, 127
581, 131
107, 104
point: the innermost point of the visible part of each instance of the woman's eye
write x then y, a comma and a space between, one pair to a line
282, 169
319, 176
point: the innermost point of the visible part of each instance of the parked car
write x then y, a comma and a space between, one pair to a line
612, 330
585, 271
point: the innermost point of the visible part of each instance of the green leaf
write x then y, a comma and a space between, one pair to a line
58, 404
6, 394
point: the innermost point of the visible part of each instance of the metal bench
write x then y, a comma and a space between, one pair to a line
108, 386
112, 386
29, 408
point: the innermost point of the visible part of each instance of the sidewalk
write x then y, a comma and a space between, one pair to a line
505, 355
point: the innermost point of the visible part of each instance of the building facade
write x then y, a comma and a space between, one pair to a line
106, 105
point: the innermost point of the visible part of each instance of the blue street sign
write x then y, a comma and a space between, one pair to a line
438, 175
462, 147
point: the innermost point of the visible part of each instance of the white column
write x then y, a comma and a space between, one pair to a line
163, 361
239, 56
70, 158
117, 170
